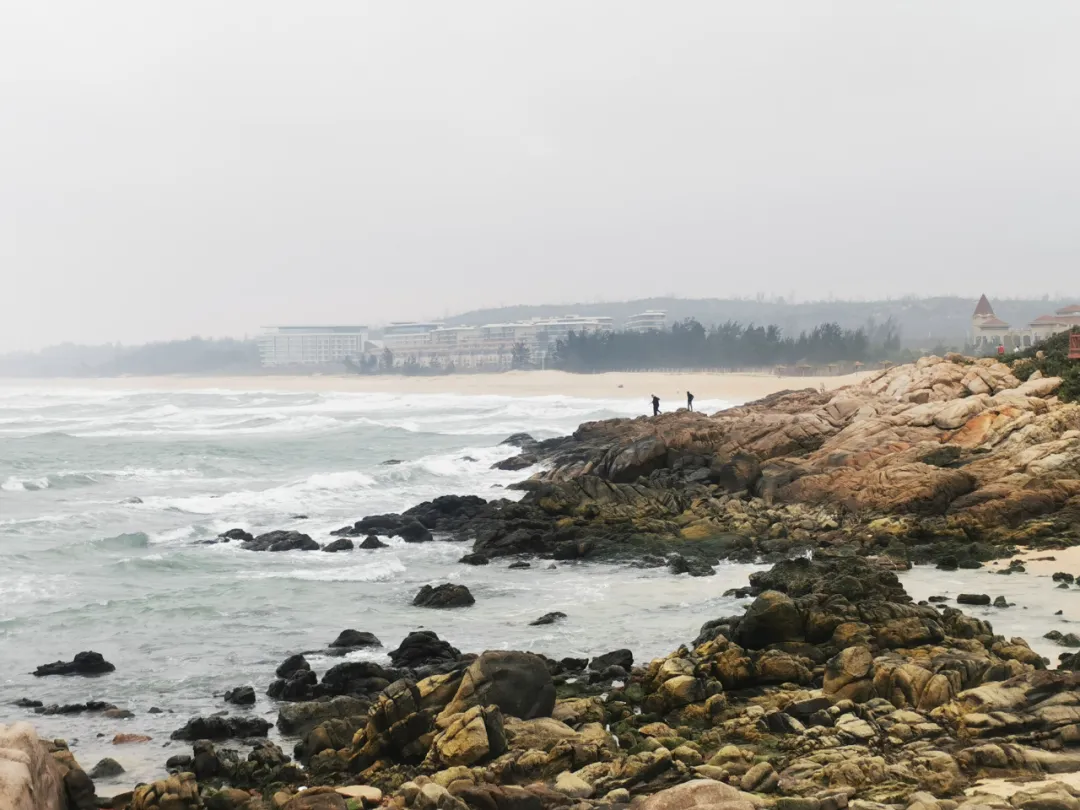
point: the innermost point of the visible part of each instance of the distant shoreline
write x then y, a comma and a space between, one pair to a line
671, 387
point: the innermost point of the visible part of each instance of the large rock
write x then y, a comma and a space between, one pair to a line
771, 618
218, 727
447, 595
469, 737
281, 540
518, 683
351, 639
30, 778
296, 719
84, 663
423, 648
700, 793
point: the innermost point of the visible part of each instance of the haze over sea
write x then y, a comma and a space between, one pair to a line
108, 496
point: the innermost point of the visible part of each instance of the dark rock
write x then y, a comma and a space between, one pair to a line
281, 540
474, 559
241, 696
299, 685
423, 648
738, 475
617, 658
237, 534
413, 532
218, 727
84, 663
519, 683
371, 541
515, 463
447, 595
679, 564
771, 618
27, 703
106, 769
297, 719
973, 599
77, 708
1061, 576
548, 618
341, 544
80, 790
520, 565
355, 638
936, 599
999, 602
356, 678
293, 663
522, 441
1065, 640
179, 762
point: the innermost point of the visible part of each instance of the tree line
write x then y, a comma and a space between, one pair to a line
731, 345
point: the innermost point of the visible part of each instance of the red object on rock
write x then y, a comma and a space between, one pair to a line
1074, 345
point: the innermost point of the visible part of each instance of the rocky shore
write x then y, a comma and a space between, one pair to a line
834, 689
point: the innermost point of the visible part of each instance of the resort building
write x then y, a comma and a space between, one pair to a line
988, 331
648, 321
311, 345
489, 346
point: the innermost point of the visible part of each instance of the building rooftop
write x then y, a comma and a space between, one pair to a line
983, 307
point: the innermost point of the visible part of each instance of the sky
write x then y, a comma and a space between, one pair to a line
171, 169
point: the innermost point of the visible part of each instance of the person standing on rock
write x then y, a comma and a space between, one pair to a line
689, 401
655, 405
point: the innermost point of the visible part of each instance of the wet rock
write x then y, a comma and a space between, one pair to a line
447, 595
27, 703
218, 727
129, 739
281, 540
84, 663
352, 639
423, 648
470, 737
678, 564
618, 658
518, 683
297, 719
372, 542
237, 534
1062, 576
999, 602
292, 665
241, 696
341, 544
522, 441
474, 559
973, 599
106, 768
1065, 640
76, 708
355, 678
548, 618
518, 462
771, 618
520, 565
178, 792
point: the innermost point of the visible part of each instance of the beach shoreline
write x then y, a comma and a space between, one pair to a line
671, 387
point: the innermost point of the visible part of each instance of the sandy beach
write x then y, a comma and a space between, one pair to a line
670, 387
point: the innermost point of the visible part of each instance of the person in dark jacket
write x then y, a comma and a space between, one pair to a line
689, 401
655, 405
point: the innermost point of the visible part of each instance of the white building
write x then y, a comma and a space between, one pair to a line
988, 331
489, 346
648, 321
311, 345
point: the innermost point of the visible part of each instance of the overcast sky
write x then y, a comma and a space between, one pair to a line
169, 169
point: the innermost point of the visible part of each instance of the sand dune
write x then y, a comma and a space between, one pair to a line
670, 387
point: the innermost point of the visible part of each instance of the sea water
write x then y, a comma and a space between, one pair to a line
108, 496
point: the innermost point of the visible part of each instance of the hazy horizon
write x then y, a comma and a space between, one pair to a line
209, 169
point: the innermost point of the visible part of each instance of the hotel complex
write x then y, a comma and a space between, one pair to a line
311, 345
493, 346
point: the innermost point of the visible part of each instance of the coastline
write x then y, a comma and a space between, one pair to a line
671, 387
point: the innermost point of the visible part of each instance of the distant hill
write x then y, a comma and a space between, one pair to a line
191, 356
924, 322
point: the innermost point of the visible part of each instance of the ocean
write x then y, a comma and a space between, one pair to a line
108, 496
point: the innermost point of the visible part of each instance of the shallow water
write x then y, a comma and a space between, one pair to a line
105, 495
